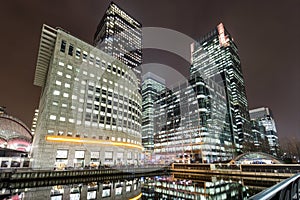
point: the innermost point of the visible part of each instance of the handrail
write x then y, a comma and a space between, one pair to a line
283, 190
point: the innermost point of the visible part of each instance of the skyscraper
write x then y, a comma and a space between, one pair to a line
216, 56
260, 141
190, 123
90, 107
265, 118
120, 35
152, 85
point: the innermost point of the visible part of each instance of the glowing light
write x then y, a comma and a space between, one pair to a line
222, 37
137, 197
90, 141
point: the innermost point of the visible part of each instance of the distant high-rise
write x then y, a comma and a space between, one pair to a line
260, 141
152, 85
265, 118
190, 123
120, 35
216, 56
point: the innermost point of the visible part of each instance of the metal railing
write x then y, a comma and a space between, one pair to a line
285, 190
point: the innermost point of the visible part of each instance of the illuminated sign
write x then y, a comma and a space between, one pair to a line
223, 39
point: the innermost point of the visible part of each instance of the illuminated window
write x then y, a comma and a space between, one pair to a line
77, 55
52, 117
57, 82
91, 59
97, 61
69, 67
62, 119
68, 76
59, 73
84, 56
61, 63
56, 92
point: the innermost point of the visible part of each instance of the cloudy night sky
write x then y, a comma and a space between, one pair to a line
267, 34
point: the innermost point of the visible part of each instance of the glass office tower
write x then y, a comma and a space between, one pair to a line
190, 123
152, 85
265, 118
120, 35
216, 56
90, 107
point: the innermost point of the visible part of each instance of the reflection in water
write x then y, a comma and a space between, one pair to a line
148, 188
122, 189
176, 188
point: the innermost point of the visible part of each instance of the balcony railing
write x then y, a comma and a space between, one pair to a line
285, 190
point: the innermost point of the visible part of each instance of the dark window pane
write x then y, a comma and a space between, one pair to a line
71, 48
63, 46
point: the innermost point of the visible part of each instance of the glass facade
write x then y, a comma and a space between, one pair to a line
152, 85
120, 35
215, 56
190, 123
260, 141
264, 117
90, 103
201, 187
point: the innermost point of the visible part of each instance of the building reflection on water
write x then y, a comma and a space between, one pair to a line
170, 187
119, 190
176, 188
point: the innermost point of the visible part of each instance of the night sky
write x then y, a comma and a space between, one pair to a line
267, 34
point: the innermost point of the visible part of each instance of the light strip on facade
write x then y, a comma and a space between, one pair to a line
90, 141
137, 197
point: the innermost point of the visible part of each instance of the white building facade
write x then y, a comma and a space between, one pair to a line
90, 107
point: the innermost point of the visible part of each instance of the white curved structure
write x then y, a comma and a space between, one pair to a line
90, 107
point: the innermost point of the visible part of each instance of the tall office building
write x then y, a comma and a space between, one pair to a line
216, 56
120, 35
265, 118
89, 110
190, 123
260, 141
152, 85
